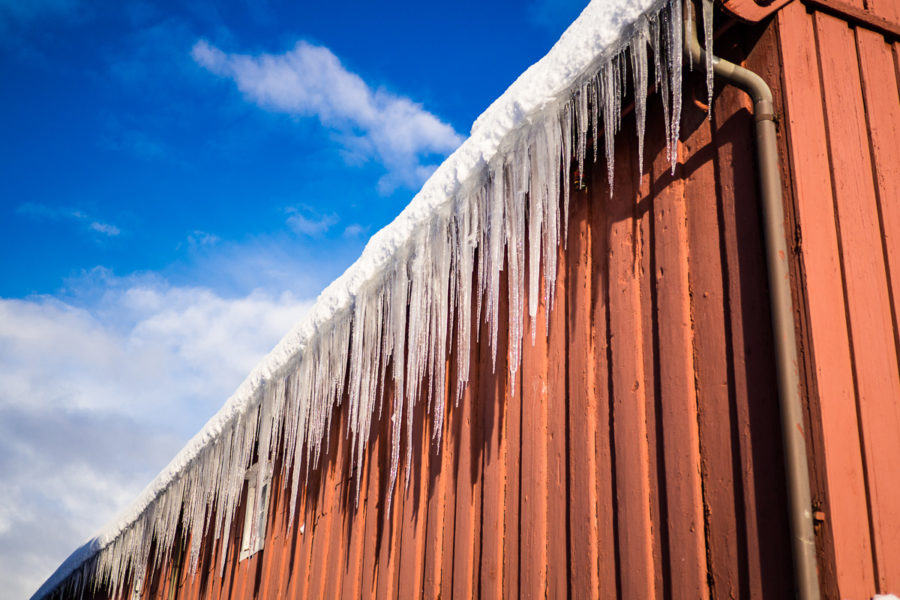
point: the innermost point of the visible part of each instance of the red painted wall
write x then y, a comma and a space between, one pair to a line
638, 452
842, 116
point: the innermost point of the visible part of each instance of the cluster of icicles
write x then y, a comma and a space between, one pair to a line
397, 331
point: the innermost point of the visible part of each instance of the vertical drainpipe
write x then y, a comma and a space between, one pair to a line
803, 542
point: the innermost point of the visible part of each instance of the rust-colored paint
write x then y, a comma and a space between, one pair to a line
637, 451
752, 10
676, 392
628, 387
842, 106
584, 553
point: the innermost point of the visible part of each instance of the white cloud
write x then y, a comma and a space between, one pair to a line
202, 238
310, 81
54, 213
354, 230
96, 397
104, 228
310, 224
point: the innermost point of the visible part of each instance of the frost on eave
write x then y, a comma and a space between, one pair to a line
390, 319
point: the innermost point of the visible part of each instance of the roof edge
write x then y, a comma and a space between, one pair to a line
551, 106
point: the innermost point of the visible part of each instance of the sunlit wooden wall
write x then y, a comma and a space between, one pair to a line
842, 115
638, 454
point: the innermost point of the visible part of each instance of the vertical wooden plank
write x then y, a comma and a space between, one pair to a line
492, 399
298, 568
431, 560
680, 438
451, 450
556, 445
872, 340
277, 538
390, 506
392, 519
239, 571
375, 456
629, 414
599, 381
652, 356
311, 510
339, 482
233, 569
187, 578
354, 532
241, 577
415, 507
882, 103
512, 452
325, 515
755, 394
583, 409
533, 500
847, 513
396, 536
467, 473
720, 465
439, 547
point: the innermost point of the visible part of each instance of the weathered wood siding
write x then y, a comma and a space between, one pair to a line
842, 120
637, 454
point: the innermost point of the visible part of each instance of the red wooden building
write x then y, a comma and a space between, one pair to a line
629, 440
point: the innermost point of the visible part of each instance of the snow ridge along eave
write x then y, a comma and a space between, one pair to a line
499, 189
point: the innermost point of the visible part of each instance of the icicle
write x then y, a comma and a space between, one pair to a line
385, 349
582, 120
689, 29
594, 86
497, 241
467, 224
515, 252
708, 46
551, 209
676, 29
566, 161
659, 44
640, 75
608, 95
536, 194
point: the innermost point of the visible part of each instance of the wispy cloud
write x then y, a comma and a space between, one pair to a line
96, 397
200, 238
354, 230
310, 81
306, 222
41, 211
104, 228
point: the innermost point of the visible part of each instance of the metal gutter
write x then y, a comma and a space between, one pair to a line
803, 542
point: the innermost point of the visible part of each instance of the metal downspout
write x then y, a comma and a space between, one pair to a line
803, 543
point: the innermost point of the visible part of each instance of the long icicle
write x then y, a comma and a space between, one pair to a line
390, 346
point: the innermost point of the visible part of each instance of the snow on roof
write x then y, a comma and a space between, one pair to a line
499, 186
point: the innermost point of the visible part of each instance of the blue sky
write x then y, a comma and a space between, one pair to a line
178, 183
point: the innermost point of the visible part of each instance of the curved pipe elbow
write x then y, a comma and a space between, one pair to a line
745, 79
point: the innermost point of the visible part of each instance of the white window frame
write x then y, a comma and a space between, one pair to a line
255, 517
